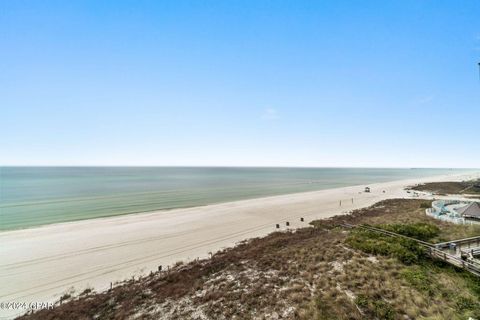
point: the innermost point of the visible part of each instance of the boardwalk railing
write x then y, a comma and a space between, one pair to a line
431, 249
459, 242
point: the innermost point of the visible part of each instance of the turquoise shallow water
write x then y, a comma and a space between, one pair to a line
33, 196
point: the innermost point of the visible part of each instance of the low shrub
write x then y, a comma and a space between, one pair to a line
421, 231
375, 307
418, 278
464, 303
405, 250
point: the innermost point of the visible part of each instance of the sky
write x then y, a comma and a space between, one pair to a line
240, 83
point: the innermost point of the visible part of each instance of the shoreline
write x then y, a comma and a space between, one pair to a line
23, 210
167, 210
41, 263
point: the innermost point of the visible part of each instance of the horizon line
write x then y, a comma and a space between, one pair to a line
226, 166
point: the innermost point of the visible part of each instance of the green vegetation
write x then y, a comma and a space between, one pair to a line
421, 231
420, 273
375, 307
330, 305
433, 278
405, 250
419, 278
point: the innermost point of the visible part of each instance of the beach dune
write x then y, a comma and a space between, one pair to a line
41, 264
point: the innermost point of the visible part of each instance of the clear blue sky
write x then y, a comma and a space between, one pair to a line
280, 83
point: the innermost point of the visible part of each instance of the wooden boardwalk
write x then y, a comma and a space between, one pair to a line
466, 242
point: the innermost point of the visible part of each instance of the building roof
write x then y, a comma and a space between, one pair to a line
470, 210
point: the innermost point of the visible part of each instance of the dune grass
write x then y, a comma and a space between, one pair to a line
453, 187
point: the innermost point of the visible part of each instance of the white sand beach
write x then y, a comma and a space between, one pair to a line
40, 264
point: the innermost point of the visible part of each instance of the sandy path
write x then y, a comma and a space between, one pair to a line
40, 264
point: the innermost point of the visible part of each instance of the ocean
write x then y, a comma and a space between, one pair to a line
34, 196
